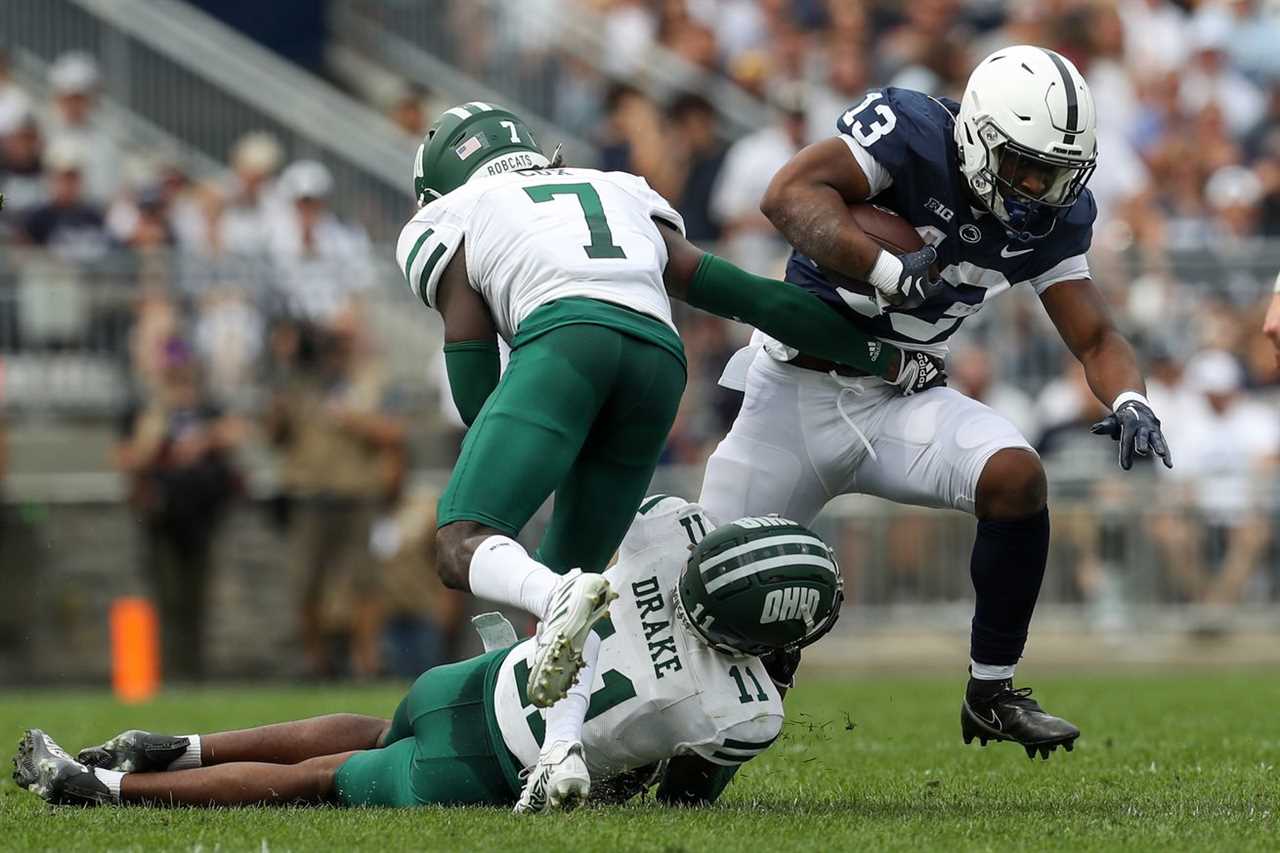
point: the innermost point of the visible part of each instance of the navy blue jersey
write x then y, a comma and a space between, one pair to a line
910, 136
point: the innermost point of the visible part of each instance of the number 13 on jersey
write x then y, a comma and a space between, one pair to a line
883, 124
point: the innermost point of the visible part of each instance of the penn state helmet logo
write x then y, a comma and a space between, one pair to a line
970, 233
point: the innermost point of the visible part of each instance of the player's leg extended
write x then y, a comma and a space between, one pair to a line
766, 463
599, 496
278, 743
941, 448
44, 768
521, 448
242, 783
452, 756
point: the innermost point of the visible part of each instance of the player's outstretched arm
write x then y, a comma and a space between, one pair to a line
790, 314
1080, 315
470, 340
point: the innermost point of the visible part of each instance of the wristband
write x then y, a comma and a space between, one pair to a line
1126, 396
886, 272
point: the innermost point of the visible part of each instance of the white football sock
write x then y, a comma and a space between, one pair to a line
566, 717
990, 672
502, 571
190, 758
110, 778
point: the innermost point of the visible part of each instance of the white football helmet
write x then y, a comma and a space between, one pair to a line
1027, 120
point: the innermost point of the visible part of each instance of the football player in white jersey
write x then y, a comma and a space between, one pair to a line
573, 268
692, 666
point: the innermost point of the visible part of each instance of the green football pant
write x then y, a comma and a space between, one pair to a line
582, 411
439, 749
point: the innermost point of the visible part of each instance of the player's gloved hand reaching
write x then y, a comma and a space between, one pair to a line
1137, 428
903, 282
920, 372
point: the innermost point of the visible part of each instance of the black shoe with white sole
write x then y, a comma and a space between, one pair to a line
994, 710
44, 768
135, 751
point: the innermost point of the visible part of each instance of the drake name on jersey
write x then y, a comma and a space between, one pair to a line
658, 691
904, 141
537, 235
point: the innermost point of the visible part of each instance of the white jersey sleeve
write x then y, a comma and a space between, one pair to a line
657, 206
741, 741
658, 691
427, 243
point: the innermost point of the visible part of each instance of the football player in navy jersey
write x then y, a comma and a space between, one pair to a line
995, 185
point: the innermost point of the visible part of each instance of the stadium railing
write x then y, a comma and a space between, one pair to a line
204, 83
516, 47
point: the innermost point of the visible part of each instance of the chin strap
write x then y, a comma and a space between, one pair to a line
557, 159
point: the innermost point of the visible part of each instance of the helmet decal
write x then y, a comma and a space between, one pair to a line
468, 138
760, 584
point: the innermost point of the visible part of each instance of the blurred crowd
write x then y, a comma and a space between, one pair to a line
235, 305
235, 309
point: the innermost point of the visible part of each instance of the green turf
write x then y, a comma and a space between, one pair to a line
1167, 762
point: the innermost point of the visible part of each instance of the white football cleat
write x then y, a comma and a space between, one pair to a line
559, 780
578, 603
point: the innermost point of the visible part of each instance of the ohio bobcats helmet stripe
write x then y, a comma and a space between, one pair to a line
760, 544
460, 112
480, 106
762, 565
757, 585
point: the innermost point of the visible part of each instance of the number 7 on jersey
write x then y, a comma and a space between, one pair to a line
602, 245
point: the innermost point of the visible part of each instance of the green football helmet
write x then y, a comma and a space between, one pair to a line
465, 139
758, 585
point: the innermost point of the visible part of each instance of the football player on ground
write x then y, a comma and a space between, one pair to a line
573, 268
995, 185
704, 626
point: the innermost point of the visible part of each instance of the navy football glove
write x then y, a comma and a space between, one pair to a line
915, 285
1137, 429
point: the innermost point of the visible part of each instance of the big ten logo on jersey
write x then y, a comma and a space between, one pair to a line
935, 206
793, 602
657, 628
763, 521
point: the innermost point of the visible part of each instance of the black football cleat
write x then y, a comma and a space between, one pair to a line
994, 710
44, 768
135, 751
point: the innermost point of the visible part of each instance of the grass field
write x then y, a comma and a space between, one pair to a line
1167, 761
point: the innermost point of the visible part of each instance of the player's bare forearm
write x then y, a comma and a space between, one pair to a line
808, 202
1111, 367
295, 741
1081, 317
238, 784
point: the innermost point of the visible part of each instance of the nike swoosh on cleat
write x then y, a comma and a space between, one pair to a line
1005, 253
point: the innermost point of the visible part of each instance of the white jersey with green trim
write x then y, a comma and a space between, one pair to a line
535, 236
659, 691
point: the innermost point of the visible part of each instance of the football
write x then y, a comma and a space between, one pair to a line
887, 228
